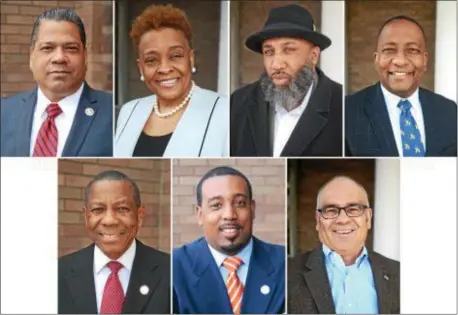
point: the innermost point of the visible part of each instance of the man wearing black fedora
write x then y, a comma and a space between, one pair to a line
294, 109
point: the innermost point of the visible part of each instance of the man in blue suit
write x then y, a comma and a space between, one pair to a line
63, 116
396, 117
228, 270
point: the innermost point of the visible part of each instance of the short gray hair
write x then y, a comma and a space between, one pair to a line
337, 177
59, 14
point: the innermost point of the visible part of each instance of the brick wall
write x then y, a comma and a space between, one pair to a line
364, 19
17, 18
153, 179
312, 174
251, 18
204, 17
267, 177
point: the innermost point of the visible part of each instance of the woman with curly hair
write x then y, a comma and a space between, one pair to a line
180, 119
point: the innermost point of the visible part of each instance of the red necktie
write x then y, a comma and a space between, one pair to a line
113, 295
233, 284
47, 138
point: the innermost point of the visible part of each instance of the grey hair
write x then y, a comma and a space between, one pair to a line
113, 175
318, 201
59, 14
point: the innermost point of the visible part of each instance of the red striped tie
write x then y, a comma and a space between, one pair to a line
234, 285
47, 138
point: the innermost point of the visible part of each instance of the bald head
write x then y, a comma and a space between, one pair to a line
339, 190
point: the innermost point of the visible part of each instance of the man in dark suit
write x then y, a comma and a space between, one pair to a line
294, 109
117, 273
228, 270
340, 275
63, 116
396, 117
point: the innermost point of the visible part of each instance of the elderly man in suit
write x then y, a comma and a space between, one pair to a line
294, 109
340, 275
396, 117
63, 116
117, 273
228, 270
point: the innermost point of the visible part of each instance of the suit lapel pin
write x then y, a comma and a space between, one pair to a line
144, 289
386, 277
265, 289
89, 111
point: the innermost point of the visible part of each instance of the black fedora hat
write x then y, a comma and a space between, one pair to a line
288, 21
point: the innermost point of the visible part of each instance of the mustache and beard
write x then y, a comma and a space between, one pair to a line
289, 96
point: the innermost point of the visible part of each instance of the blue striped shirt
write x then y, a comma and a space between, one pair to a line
353, 288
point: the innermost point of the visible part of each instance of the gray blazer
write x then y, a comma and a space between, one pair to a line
309, 291
203, 130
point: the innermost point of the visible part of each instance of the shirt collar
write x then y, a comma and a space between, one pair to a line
67, 104
332, 256
298, 110
392, 100
244, 254
127, 259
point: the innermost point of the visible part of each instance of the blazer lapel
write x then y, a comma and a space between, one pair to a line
433, 126
82, 122
379, 119
381, 279
318, 282
259, 275
209, 287
145, 271
183, 142
259, 123
312, 121
24, 119
80, 282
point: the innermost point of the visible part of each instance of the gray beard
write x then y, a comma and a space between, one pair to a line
289, 96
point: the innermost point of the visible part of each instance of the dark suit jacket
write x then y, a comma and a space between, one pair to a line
368, 129
309, 290
89, 135
77, 289
199, 288
317, 133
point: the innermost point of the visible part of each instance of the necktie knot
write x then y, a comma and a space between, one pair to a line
405, 106
232, 263
114, 266
53, 110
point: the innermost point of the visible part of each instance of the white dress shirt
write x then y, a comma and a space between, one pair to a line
285, 122
101, 270
245, 255
64, 121
392, 101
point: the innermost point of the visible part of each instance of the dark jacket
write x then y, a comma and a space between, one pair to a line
317, 133
309, 290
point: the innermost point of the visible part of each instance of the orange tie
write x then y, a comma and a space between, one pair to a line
234, 285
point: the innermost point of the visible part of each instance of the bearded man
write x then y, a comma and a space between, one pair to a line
293, 109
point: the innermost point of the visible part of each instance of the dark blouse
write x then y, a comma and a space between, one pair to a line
151, 146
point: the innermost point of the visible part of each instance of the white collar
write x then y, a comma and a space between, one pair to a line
127, 259
244, 254
68, 104
298, 110
392, 100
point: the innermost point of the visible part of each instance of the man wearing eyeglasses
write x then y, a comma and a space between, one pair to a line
340, 275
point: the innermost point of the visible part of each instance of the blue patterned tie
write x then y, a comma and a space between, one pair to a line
410, 133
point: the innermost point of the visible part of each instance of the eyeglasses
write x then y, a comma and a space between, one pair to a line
332, 212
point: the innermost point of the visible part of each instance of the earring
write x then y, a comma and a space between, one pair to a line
193, 70
142, 78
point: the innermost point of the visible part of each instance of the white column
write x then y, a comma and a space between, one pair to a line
223, 59
333, 26
445, 60
386, 208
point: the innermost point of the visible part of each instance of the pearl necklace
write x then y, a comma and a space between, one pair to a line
180, 106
